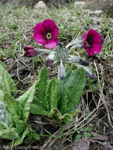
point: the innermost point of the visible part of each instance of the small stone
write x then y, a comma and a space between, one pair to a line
97, 11
93, 12
41, 5
79, 4
105, 5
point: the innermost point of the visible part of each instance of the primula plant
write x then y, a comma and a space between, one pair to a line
57, 98
14, 112
54, 98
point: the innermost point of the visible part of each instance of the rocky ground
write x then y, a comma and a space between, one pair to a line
93, 128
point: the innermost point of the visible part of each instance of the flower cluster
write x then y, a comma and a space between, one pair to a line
46, 33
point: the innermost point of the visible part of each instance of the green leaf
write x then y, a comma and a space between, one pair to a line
25, 100
21, 138
12, 107
37, 107
42, 85
81, 129
1, 126
88, 128
64, 100
1, 96
67, 118
79, 136
52, 95
7, 122
13, 111
20, 126
39, 110
35, 136
74, 112
1, 63
75, 84
57, 115
78, 131
67, 78
37, 102
7, 84
9, 133
87, 135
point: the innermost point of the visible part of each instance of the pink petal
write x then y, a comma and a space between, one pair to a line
93, 36
48, 25
55, 32
25, 55
51, 43
94, 49
31, 53
28, 48
39, 38
39, 28
39, 33
84, 36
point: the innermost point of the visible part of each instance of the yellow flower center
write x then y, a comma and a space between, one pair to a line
87, 44
48, 36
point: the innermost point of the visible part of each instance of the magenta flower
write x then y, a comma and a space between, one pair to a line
92, 42
46, 33
30, 52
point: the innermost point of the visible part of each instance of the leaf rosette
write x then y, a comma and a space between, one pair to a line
57, 99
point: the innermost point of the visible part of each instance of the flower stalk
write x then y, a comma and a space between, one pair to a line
74, 44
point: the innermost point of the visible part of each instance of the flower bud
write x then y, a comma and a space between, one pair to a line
89, 73
49, 63
30, 52
84, 62
76, 59
50, 59
61, 71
